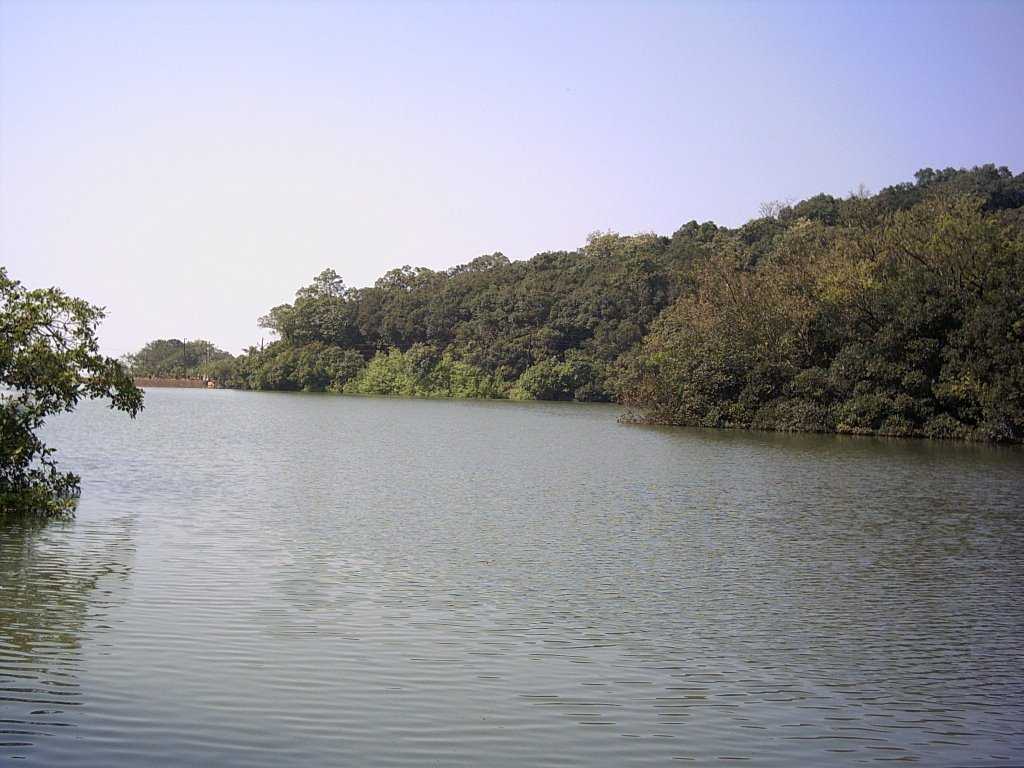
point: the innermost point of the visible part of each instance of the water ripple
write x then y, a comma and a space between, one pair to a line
256, 579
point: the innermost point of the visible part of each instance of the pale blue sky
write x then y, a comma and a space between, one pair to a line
190, 164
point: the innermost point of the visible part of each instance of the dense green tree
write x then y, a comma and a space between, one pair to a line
490, 316
422, 371
174, 358
896, 313
577, 377
912, 327
49, 361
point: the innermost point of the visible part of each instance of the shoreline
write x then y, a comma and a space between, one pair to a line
144, 382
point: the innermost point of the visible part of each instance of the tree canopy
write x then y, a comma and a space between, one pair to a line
174, 358
49, 361
913, 326
896, 313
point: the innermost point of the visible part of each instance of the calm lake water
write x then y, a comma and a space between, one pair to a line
270, 579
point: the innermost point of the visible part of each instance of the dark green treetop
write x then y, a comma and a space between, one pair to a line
49, 361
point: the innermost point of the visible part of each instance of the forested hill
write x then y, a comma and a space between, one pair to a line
899, 313
176, 359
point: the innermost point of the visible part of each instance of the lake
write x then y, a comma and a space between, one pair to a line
261, 579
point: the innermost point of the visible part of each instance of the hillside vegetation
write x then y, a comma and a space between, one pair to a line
176, 359
900, 313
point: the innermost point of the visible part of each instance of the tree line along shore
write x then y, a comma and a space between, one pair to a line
898, 313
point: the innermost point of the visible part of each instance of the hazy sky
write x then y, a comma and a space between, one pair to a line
190, 164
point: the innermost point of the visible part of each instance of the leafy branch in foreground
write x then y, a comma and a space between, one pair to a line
49, 361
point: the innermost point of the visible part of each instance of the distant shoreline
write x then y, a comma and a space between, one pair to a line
145, 381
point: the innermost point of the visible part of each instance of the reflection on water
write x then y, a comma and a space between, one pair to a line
54, 578
265, 579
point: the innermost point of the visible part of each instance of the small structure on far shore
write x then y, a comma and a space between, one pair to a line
151, 381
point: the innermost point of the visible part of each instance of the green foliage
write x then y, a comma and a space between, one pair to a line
898, 313
490, 315
913, 326
422, 371
577, 377
311, 367
49, 361
173, 358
